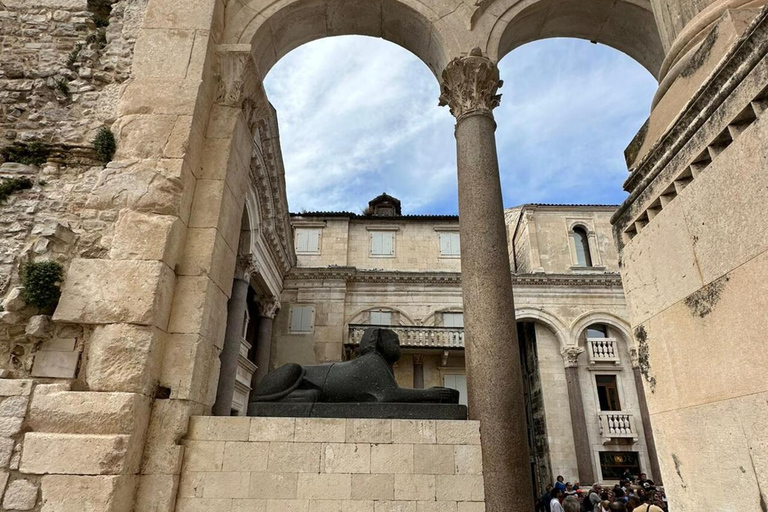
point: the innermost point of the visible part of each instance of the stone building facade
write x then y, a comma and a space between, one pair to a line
404, 271
97, 396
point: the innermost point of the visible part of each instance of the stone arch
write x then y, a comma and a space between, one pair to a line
274, 31
626, 25
357, 316
547, 319
601, 317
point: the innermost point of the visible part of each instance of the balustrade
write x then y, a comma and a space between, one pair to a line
616, 424
416, 336
603, 350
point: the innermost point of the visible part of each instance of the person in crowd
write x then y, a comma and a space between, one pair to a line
569, 490
620, 495
628, 490
593, 498
618, 506
556, 503
644, 482
560, 483
571, 504
605, 506
633, 503
545, 499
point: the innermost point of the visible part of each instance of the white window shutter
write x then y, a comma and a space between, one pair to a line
301, 240
445, 244
376, 242
313, 243
302, 318
455, 244
387, 244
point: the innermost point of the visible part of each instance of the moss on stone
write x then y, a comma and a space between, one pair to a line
42, 282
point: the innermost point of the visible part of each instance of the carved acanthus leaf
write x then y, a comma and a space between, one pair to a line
469, 85
269, 307
571, 356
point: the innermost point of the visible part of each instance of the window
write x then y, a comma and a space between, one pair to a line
382, 243
307, 241
615, 464
581, 241
608, 393
302, 318
459, 383
381, 318
597, 331
453, 320
449, 244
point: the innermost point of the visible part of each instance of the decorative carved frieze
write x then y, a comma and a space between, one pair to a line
571, 356
469, 85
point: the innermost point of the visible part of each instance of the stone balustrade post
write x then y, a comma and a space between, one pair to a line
578, 418
494, 375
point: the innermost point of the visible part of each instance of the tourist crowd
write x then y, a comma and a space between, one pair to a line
631, 494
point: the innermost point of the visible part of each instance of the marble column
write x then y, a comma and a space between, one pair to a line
418, 371
578, 419
650, 442
494, 376
230, 354
268, 309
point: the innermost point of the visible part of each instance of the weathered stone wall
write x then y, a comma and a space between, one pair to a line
695, 250
287, 464
63, 63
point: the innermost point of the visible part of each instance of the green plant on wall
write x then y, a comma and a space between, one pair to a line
13, 185
34, 153
42, 282
104, 144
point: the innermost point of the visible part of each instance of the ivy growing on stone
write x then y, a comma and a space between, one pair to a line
42, 283
13, 185
34, 153
104, 144
63, 86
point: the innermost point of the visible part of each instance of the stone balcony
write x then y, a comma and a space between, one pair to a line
603, 350
617, 424
442, 338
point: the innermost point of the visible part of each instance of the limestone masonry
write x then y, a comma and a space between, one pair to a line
185, 278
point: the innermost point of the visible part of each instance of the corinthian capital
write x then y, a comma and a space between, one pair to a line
469, 85
268, 307
571, 356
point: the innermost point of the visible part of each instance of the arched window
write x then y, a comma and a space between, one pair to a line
581, 239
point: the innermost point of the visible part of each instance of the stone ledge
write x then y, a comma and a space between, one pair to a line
359, 410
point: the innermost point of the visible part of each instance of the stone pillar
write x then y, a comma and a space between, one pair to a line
494, 379
268, 309
418, 371
230, 354
645, 415
578, 419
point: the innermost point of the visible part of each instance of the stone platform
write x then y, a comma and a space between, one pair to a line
359, 410
331, 465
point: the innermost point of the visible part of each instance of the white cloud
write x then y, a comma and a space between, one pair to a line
359, 116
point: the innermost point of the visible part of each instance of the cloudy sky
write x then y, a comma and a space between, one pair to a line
358, 116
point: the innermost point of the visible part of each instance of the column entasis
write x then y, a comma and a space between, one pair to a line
268, 309
494, 377
578, 418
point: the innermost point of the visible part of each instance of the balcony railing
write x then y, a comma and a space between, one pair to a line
603, 350
617, 424
416, 336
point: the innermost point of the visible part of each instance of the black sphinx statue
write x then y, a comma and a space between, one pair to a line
364, 387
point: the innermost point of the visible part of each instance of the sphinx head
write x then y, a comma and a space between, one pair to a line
383, 341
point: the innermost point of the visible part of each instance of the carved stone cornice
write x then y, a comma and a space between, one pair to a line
571, 356
354, 275
247, 267
469, 84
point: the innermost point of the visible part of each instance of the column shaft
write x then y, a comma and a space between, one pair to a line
230, 354
418, 371
650, 442
579, 425
494, 377
263, 349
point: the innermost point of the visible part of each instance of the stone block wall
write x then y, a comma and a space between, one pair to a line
331, 465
